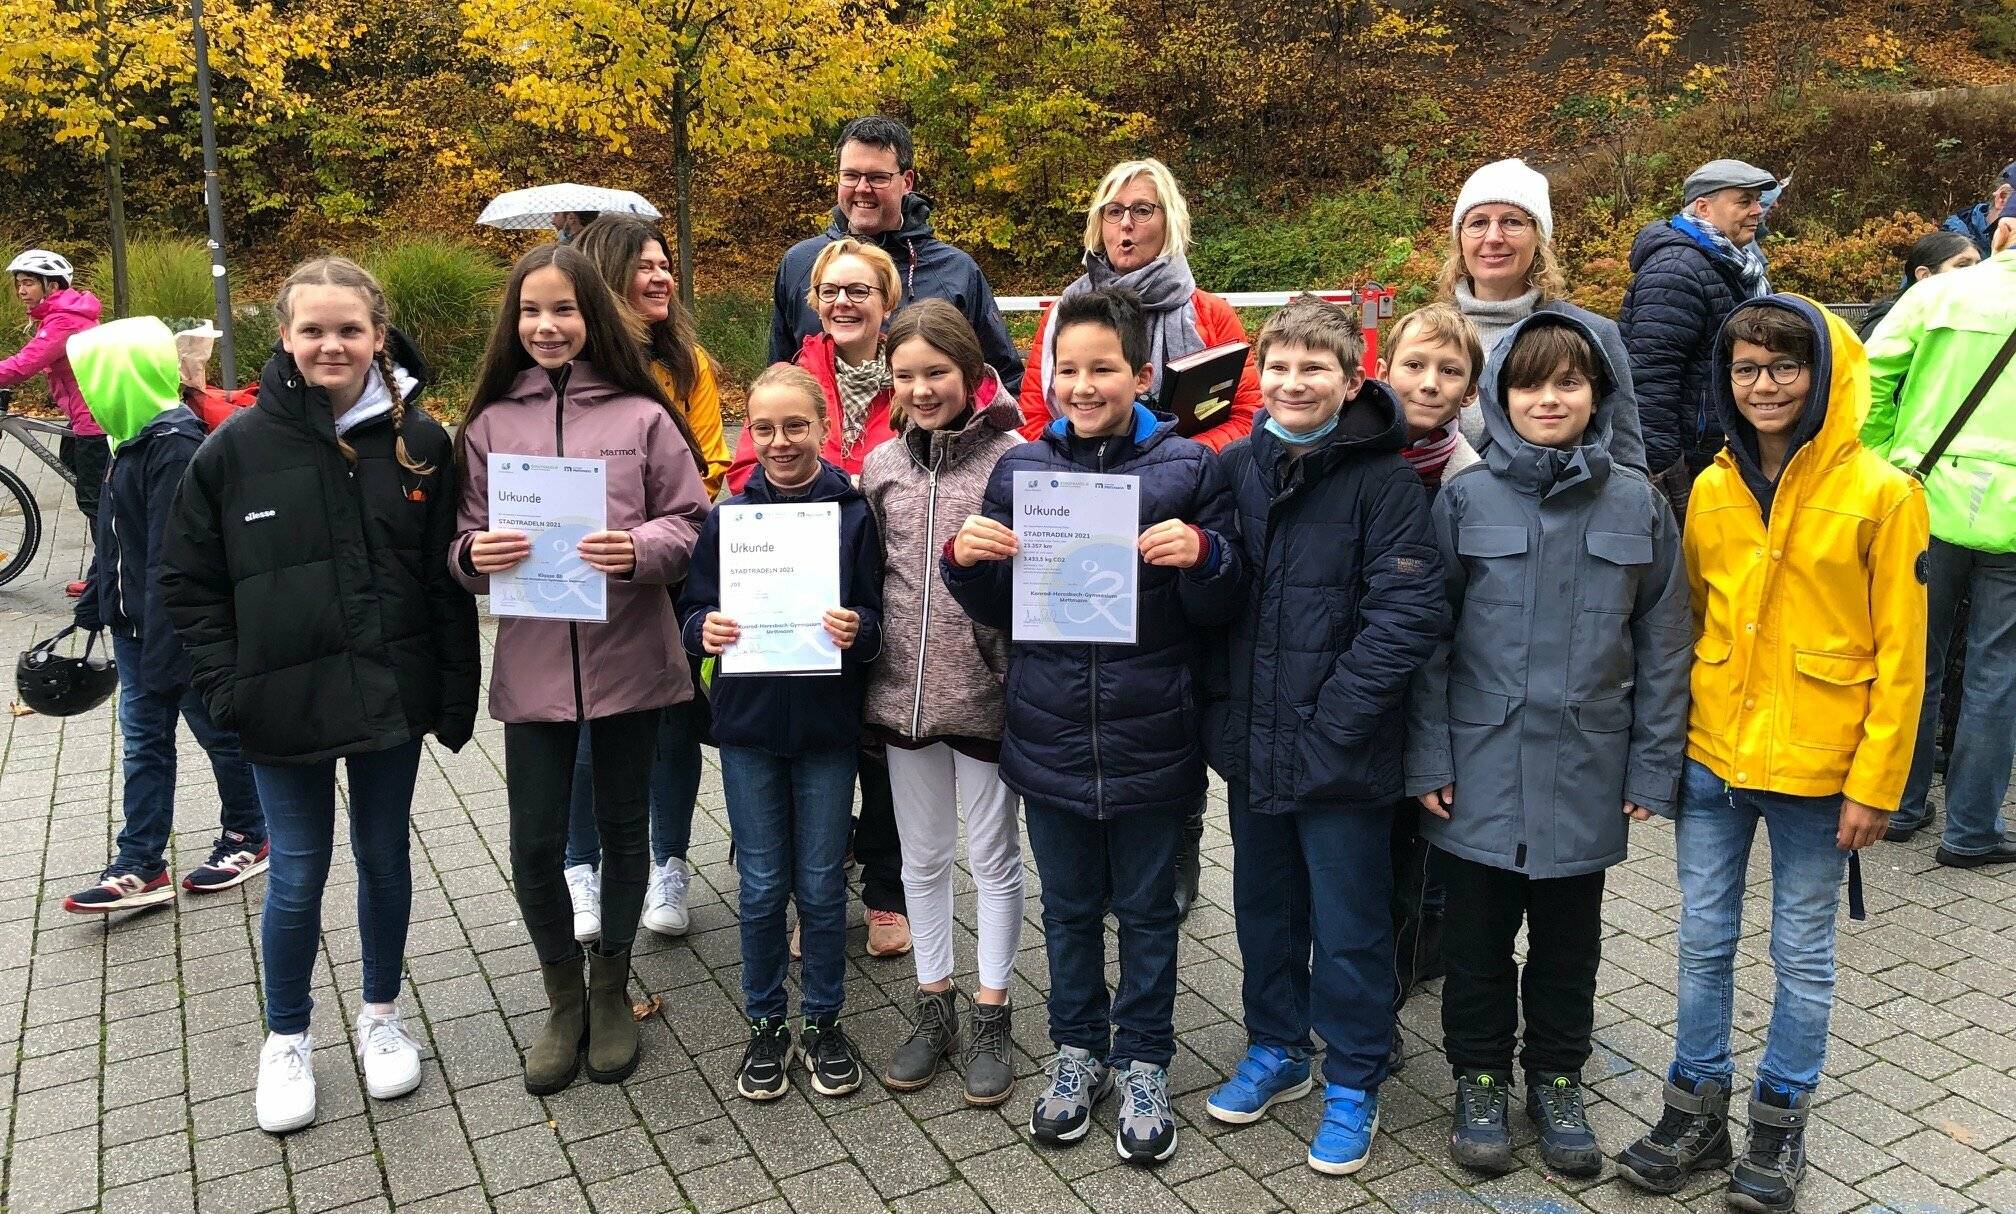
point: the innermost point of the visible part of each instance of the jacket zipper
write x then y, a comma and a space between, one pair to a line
573, 629
1098, 765
924, 624
118, 550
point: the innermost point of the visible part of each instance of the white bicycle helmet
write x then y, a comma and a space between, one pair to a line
43, 263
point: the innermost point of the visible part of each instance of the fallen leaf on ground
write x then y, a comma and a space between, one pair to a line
648, 1008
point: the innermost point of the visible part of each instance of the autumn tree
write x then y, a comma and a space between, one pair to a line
95, 71
717, 76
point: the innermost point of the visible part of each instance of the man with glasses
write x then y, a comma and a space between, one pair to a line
878, 201
1689, 273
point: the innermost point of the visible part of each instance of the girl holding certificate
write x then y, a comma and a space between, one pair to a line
563, 376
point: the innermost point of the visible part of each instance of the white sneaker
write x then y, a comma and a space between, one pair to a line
665, 899
285, 1098
584, 889
389, 1054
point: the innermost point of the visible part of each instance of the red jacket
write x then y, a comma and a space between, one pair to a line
818, 356
1217, 324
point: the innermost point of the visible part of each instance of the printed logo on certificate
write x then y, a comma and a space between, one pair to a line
1077, 568
780, 575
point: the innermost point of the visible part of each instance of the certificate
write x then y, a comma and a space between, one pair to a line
556, 501
780, 575
1076, 570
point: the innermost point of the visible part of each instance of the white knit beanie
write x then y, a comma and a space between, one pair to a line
1510, 181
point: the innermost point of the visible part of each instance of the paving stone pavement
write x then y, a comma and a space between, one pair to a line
130, 1047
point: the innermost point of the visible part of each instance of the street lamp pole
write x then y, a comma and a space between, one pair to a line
213, 201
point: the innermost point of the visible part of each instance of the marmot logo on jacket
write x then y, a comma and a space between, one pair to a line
256, 515
609, 451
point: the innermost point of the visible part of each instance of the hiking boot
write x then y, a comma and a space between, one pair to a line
1481, 1138
233, 861
584, 891
612, 1029
762, 1075
665, 898
1147, 1132
915, 1063
829, 1057
554, 1057
1343, 1140
120, 889
888, 934
1078, 1082
1692, 1135
990, 1069
1267, 1076
1567, 1144
1766, 1180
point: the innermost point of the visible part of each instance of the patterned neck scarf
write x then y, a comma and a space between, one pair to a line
1430, 455
1748, 260
859, 386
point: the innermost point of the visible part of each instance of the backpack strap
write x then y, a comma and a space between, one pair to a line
1979, 393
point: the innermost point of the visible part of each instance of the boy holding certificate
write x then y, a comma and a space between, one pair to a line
788, 740
1102, 739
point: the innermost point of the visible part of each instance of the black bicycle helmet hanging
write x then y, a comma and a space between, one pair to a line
59, 686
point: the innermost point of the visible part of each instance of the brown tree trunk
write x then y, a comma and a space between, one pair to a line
115, 190
682, 193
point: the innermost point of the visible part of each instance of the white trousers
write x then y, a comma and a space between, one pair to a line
929, 786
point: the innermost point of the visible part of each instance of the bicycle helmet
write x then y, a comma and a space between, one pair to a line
58, 686
43, 264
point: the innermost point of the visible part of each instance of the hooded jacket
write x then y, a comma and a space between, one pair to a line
1809, 615
561, 670
1559, 691
820, 355
1923, 360
312, 592
128, 377
1680, 294
1343, 605
793, 714
1640, 447
60, 315
940, 673
1976, 223
929, 269
1105, 730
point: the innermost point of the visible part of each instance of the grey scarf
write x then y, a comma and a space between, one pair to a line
859, 386
1169, 294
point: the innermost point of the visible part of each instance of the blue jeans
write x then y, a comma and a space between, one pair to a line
1712, 838
1984, 741
1126, 865
147, 729
300, 803
675, 786
790, 816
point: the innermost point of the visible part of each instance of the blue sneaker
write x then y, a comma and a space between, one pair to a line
1344, 1141
1266, 1076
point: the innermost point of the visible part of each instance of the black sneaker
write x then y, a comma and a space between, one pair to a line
1567, 1144
1481, 1138
1692, 1134
764, 1062
829, 1057
233, 861
1766, 1180
121, 889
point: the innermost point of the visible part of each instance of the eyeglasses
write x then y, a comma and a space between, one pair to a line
1783, 371
794, 430
874, 181
1511, 226
1115, 212
856, 292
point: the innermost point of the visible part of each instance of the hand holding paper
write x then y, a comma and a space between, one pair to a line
842, 625
1171, 542
718, 632
982, 539
496, 551
609, 551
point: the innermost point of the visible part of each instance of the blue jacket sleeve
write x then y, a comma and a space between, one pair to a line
995, 343
1665, 324
167, 462
1213, 591
701, 592
865, 591
785, 300
984, 591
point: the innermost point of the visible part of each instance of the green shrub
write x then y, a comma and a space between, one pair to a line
167, 276
1336, 240
734, 324
254, 332
444, 295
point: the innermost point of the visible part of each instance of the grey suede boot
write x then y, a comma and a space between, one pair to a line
554, 1057
612, 1031
990, 1060
915, 1063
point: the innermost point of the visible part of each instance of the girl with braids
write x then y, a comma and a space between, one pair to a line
564, 375
305, 570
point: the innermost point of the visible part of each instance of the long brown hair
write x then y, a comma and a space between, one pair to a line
945, 329
611, 348
614, 243
342, 272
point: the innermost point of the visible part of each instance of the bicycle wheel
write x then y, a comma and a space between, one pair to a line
20, 525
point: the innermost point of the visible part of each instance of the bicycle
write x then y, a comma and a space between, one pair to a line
20, 514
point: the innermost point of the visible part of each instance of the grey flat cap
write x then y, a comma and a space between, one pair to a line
1726, 175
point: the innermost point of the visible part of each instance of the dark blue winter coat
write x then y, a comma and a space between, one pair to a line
793, 714
1343, 603
1109, 729
1976, 223
122, 593
1680, 294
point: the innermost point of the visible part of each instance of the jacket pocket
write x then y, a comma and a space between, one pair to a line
1711, 698
1610, 582
1831, 698
1496, 562
1475, 706
1603, 716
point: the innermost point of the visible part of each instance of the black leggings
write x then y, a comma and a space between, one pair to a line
539, 776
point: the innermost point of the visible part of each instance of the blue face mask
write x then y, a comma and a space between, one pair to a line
1308, 436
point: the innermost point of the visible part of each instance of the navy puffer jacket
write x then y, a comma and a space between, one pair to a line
1679, 296
1109, 729
1344, 602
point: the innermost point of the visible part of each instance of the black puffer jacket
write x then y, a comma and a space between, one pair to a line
314, 596
1679, 296
1344, 602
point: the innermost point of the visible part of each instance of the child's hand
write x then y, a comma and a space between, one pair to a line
1439, 801
982, 539
842, 625
496, 551
1171, 542
609, 551
1861, 825
718, 632
1638, 813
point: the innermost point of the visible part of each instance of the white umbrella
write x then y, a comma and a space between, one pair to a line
534, 208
